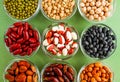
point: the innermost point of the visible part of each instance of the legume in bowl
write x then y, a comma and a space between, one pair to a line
21, 10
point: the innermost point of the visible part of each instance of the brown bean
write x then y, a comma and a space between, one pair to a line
57, 71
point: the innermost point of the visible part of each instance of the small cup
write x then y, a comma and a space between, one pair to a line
26, 19
17, 60
84, 67
55, 20
84, 51
96, 21
54, 56
58, 62
33, 53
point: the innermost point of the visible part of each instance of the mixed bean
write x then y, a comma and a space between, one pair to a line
59, 73
96, 72
96, 9
58, 9
21, 9
22, 39
61, 40
99, 41
22, 71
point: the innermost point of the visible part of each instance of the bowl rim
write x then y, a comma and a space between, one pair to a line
93, 21
82, 48
17, 60
57, 57
61, 20
26, 19
18, 55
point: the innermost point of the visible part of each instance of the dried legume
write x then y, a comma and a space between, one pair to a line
21, 9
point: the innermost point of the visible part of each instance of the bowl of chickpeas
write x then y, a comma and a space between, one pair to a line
58, 10
96, 10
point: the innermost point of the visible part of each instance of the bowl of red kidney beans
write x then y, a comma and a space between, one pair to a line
22, 40
60, 41
98, 41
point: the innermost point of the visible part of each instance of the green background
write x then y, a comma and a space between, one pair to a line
40, 59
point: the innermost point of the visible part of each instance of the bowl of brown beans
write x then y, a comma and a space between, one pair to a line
95, 72
96, 10
21, 10
21, 70
58, 10
58, 72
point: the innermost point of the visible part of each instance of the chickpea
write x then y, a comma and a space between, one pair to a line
84, 10
91, 17
91, 12
82, 4
88, 8
95, 15
92, 3
98, 4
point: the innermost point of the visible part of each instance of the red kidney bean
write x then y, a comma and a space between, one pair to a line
18, 51
36, 35
29, 51
14, 35
6, 41
22, 39
15, 46
20, 30
18, 24
8, 31
26, 26
69, 75
52, 79
14, 29
25, 34
32, 40
30, 33
11, 37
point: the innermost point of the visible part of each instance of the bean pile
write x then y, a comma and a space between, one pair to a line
59, 73
61, 40
21, 9
96, 9
22, 71
99, 41
58, 9
22, 39
96, 72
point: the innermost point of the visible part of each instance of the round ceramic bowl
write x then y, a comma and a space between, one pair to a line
24, 55
83, 49
62, 57
37, 73
26, 19
61, 20
59, 64
84, 67
96, 21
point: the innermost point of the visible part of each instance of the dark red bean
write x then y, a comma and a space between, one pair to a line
6, 41
8, 31
32, 40
26, 48
30, 33
14, 29
25, 34
20, 30
29, 51
15, 46
26, 26
36, 36
12, 38
18, 51
14, 35
21, 40
23, 53
57, 71
18, 24
35, 44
